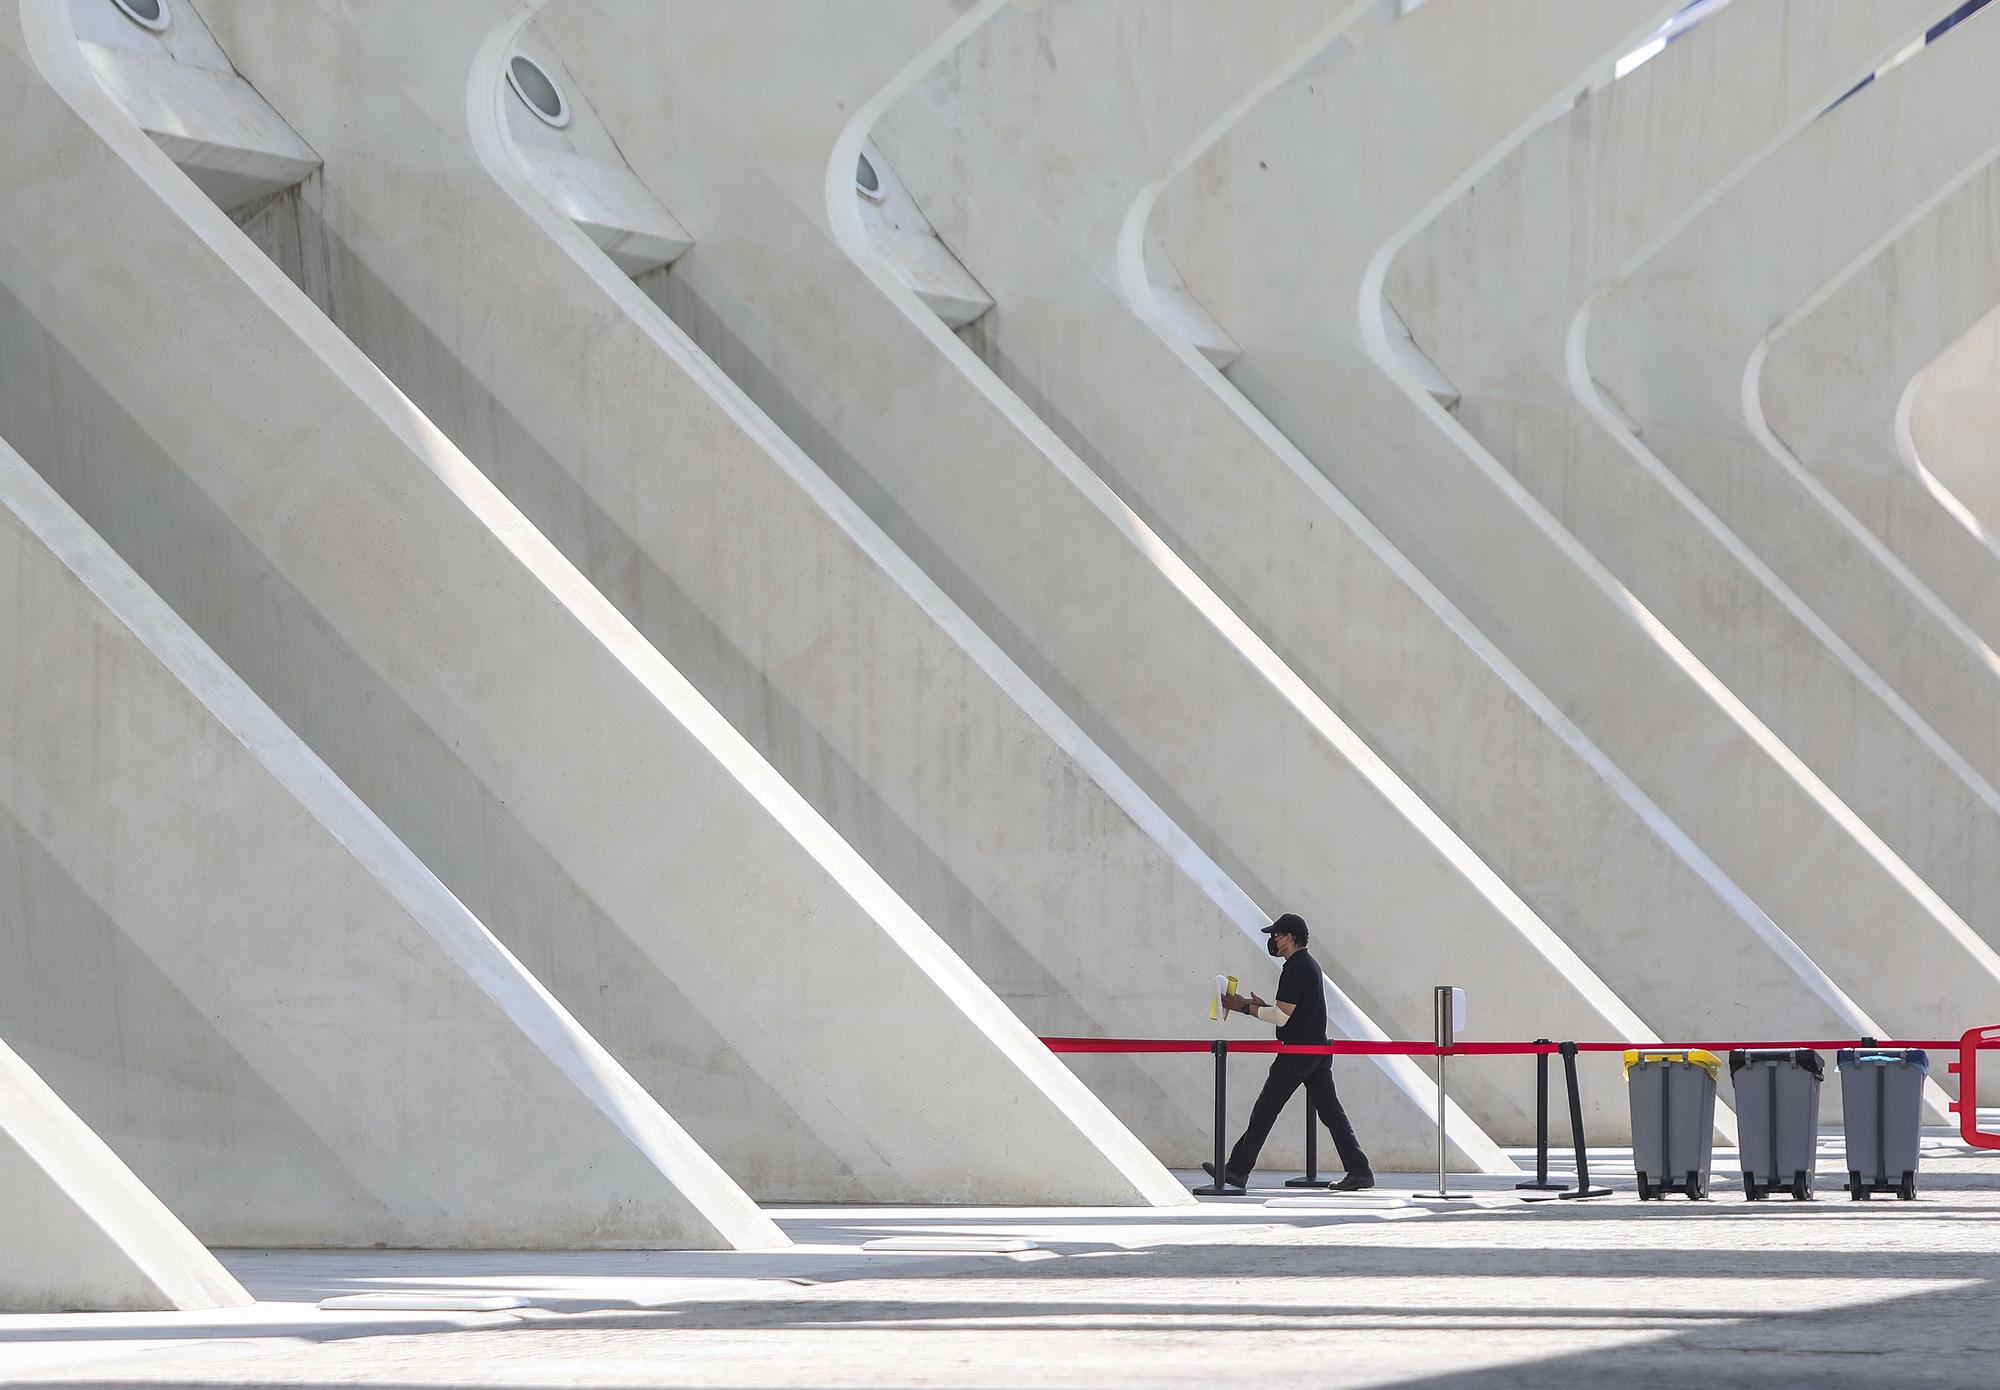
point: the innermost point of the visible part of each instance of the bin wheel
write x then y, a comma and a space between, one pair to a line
1906, 1190
1857, 1191
1751, 1191
1645, 1190
1802, 1187
1697, 1190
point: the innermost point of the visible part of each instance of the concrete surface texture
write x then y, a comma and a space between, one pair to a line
558, 775
782, 285
1834, 375
1380, 1293
1947, 424
989, 141
1680, 342
1491, 294
1032, 854
248, 988
1306, 306
78, 1232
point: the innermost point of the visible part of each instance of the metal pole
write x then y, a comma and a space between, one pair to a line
1541, 1182
1221, 1049
1441, 997
1311, 1179
1219, 1187
1583, 1187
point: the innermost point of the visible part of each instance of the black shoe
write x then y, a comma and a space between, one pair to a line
1353, 1182
1227, 1182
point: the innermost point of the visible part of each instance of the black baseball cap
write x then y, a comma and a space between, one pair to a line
1292, 925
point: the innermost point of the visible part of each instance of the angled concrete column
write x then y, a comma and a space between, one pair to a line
79, 1233
1265, 230
497, 713
1950, 426
991, 141
241, 981
1679, 345
1834, 377
784, 287
1491, 294
985, 807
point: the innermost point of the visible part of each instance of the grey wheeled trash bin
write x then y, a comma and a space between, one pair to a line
1882, 1091
1673, 1120
1777, 1119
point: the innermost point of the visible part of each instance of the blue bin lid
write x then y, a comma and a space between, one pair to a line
1883, 1057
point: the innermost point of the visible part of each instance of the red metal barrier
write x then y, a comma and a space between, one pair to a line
1966, 1069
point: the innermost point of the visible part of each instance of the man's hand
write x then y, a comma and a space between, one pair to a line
1257, 1001
1235, 1004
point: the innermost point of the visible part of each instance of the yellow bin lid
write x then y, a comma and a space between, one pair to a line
1696, 1057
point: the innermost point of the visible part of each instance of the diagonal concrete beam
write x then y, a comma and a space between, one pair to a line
1490, 293
79, 1233
1050, 223
1680, 343
468, 683
1270, 231
786, 290
1834, 376
925, 747
239, 979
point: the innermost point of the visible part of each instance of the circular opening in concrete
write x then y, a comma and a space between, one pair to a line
536, 89
148, 14
867, 182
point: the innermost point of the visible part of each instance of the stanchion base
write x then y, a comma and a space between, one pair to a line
1583, 1192
1305, 1182
1443, 1196
1539, 1185
1215, 1189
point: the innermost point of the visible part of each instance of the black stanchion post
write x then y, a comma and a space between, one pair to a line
1311, 1179
1220, 1047
1583, 1187
1541, 1182
1221, 1104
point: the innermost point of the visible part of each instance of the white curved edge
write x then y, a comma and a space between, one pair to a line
1911, 458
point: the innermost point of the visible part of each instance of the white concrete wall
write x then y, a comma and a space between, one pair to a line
1679, 344
991, 143
1951, 422
1834, 376
1268, 233
905, 726
784, 288
497, 713
79, 1233
240, 980
1491, 292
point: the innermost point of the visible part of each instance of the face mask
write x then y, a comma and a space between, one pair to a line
1271, 945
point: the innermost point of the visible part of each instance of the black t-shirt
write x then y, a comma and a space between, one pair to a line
1299, 985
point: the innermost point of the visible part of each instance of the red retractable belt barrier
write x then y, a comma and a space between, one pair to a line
1966, 1068
1392, 1048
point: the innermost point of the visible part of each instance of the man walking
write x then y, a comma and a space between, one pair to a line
1300, 1015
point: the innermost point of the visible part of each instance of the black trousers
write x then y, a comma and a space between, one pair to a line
1289, 1071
